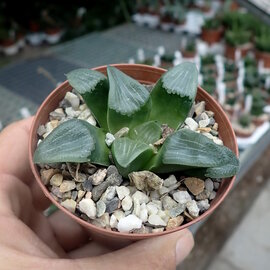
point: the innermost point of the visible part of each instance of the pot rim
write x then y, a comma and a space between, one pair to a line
102, 231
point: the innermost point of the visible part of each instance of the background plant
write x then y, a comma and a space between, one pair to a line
121, 102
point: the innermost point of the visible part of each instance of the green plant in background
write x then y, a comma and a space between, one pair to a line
262, 41
179, 12
230, 66
252, 78
258, 103
250, 62
237, 37
209, 88
190, 46
212, 24
167, 58
245, 120
208, 60
229, 77
231, 99
126, 103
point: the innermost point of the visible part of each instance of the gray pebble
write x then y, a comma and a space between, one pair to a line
216, 185
203, 205
101, 208
177, 210
171, 180
114, 179
209, 185
111, 170
168, 203
204, 195
112, 205
74, 195
212, 195
87, 185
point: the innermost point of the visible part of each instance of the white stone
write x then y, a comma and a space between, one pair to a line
129, 223
119, 214
88, 207
127, 203
209, 185
109, 139
84, 114
156, 220
171, 180
69, 204
154, 194
193, 208
163, 190
56, 180
113, 221
141, 197
91, 120
203, 205
71, 112
208, 135
164, 215
157, 203
212, 195
98, 177
101, 208
122, 192
73, 100
136, 208
217, 141
67, 186
182, 197
151, 208
204, 123
143, 213
191, 123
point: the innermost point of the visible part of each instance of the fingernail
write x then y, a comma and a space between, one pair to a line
183, 246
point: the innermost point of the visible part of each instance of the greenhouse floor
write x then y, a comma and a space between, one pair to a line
236, 236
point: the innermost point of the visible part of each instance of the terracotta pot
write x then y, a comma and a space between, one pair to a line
188, 54
265, 57
146, 75
52, 31
212, 35
230, 51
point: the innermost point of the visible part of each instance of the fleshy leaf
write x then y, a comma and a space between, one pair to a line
130, 155
73, 141
94, 88
186, 149
129, 102
174, 94
148, 132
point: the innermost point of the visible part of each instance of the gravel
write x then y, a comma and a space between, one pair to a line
143, 203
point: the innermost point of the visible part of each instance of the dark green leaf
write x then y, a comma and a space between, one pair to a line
186, 149
174, 94
129, 102
73, 141
148, 132
94, 88
130, 155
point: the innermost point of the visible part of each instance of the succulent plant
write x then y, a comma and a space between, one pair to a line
212, 24
118, 101
237, 37
258, 103
245, 120
262, 42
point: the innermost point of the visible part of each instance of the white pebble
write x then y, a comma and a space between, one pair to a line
91, 120
84, 114
141, 197
73, 100
127, 203
182, 197
136, 208
193, 208
156, 220
119, 214
152, 208
212, 195
217, 141
122, 192
88, 207
203, 205
171, 180
113, 221
143, 213
204, 123
109, 139
209, 185
129, 223
191, 123
69, 204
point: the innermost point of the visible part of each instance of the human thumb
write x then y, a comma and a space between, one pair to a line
163, 252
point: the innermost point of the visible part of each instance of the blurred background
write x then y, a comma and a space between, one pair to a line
230, 43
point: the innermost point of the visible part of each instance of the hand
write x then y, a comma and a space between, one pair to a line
29, 240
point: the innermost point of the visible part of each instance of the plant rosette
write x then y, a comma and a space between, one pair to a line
133, 167
212, 31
